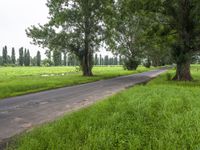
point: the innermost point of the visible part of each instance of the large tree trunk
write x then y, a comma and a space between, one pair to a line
183, 72
87, 61
86, 64
183, 50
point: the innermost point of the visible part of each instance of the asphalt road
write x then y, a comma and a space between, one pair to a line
23, 112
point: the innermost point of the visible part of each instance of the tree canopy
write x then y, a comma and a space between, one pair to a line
74, 25
158, 31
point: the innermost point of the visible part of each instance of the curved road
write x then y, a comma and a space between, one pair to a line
23, 112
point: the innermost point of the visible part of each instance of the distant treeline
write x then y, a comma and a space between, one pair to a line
55, 58
24, 58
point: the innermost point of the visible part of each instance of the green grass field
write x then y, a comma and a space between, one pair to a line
160, 115
21, 80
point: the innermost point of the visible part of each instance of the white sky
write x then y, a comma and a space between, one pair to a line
15, 17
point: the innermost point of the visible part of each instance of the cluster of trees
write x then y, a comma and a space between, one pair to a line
68, 59
24, 58
5, 58
106, 60
57, 58
158, 31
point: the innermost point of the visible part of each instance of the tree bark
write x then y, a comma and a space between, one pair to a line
183, 51
183, 72
86, 64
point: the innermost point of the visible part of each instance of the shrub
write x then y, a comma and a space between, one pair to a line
131, 64
147, 64
169, 77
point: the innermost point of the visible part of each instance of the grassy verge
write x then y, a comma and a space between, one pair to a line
22, 80
161, 115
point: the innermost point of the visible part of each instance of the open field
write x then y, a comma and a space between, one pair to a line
161, 115
21, 80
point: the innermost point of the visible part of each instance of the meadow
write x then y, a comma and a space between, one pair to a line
16, 81
160, 115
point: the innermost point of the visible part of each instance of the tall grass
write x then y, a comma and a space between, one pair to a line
161, 115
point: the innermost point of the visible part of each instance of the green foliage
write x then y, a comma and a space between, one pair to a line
101, 60
57, 58
34, 61
38, 58
125, 32
5, 55
21, 56
106, 59
131, 64
80, 29
65, 59
155, 116
179, 21
73, 60
147, 63
48, 62
96, 60
27, 59
1, 60
120, 60
115, 61
169, 77
136, 30
13, 56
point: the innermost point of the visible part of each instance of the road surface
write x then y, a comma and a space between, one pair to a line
20, 113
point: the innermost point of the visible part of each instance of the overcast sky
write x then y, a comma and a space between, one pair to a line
15, 17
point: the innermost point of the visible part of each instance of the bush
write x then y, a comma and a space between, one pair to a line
169, 77
131, 64
147, 64
47, 63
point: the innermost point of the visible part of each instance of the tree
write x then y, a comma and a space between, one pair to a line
27, 59
196, 58
101, 62
5, 55
38, 58
1, 60
186, 23
57, 58
106, 60
48, 55
111, 61
34, 61
120, 60
72, 60
157, 51
21, 56
96, 60
13, 56
147, 63
181, 19
125, 32
9, 60
81, 25
115, 61
65, 58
